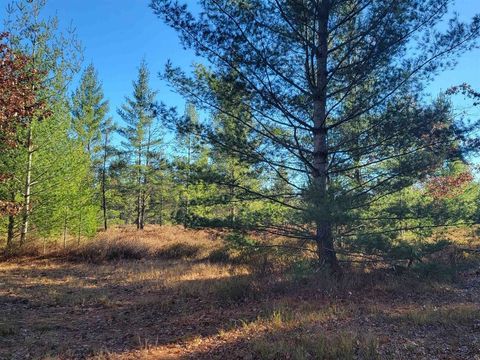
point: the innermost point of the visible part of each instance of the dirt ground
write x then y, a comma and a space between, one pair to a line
164, 309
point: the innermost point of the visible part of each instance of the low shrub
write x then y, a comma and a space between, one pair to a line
302, 270
178, 251
436, 271
235, 289
221, 255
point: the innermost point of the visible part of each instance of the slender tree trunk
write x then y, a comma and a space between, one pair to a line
139, 183
11, 225
10, 232
160, 217
187, 199
104, 182
79, 228
324, 234
232, 197
65, 233
28, 188
145, 179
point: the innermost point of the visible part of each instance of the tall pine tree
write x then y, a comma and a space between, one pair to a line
311, 69
142, 138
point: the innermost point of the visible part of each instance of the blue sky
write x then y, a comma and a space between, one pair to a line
117, 34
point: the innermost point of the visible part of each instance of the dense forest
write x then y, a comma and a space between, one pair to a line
311, 198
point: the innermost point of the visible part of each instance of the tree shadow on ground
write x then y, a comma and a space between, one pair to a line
70, 311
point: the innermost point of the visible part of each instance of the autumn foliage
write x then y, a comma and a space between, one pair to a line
449, 186
18, 101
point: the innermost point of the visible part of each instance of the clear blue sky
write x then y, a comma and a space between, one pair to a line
117, 34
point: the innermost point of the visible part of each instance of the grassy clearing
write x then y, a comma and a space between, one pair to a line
174, 301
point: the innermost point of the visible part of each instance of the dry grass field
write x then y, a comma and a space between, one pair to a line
171, 294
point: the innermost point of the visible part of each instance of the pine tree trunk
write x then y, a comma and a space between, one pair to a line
28, 188
160, 216
104, 183
233, 209
145, 180
11, 225
187, 199
139, 183
10, 231
79, 229
324, 235
65, 233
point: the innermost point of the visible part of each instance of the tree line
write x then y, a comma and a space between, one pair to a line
310, 121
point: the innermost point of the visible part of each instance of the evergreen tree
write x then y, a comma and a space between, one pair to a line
89, 111
93, 129
107, 129
142, 138
236, 176
64, 195
311, 69
54, 57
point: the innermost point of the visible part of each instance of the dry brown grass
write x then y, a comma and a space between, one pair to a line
167, 301
125, 242
161, 242
166, 242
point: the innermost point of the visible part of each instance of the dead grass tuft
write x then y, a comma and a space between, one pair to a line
313, 346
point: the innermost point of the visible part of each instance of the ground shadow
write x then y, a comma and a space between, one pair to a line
72, 311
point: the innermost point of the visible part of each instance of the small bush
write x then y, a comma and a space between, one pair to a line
235, 289
19, 252
219, 256
178, 251
89, 254
435, 271
125, 251
302, 270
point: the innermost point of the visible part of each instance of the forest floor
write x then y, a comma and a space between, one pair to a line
191, 308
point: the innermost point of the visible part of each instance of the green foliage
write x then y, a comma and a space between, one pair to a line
303, 270
355, 157
52, 173
344, 124
89, 111
141, 147
240, 240
435, 271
